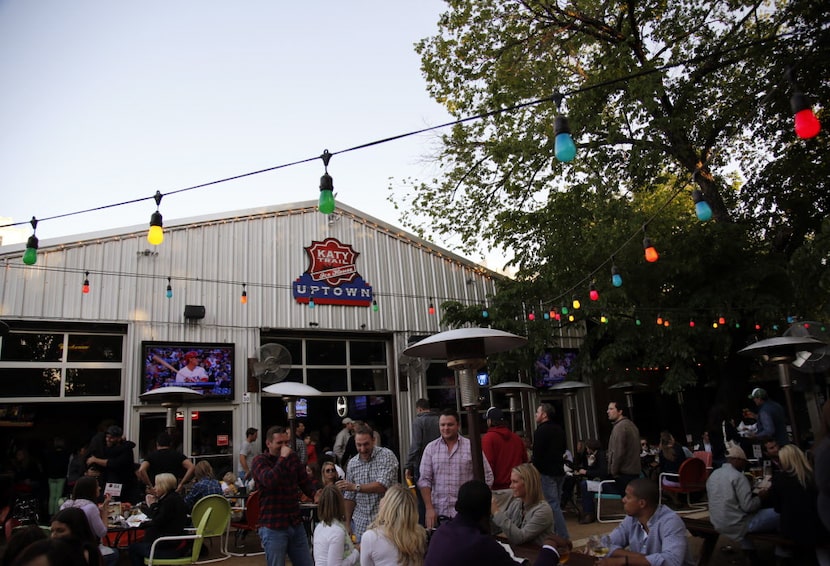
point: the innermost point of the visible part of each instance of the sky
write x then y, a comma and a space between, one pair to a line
105, 102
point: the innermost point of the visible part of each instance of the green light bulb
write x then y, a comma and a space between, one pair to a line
326, 202
30, 256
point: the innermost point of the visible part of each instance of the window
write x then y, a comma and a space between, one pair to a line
337, 365
61, 364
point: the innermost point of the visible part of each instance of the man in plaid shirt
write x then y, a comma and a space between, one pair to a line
280, 476
368, 476
446, 465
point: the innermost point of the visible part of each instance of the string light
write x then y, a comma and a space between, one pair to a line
30, 255
326, 202
576, 304
650, 251
169, 292
702, 209
563, 145
311, 304
375, 306
691, 323
85, 286
659, 320
593, 293
616, 278
244, 298
431, 306
807, 124
155, 236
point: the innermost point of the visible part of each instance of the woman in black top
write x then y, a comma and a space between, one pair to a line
168, 517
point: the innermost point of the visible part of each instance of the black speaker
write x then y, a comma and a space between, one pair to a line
194, 312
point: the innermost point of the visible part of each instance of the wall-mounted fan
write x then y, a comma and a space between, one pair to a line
817, 361
273, 363
413, 368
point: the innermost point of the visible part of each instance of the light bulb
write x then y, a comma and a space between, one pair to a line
326, 202
616, 278
576, 304
638, 322
603, 319
721, 320
85, 287
375, 306
702, 208
546, 316
156, 234
30, 255
311, 303
650, 250
806, 124
531, 316
659, 320
431, 308
484, 313
244, 298
169, 292
691, 324
570, 318
565, 310
593, 293
563, 146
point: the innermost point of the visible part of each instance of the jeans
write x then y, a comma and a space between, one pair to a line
763, 520
290, 540
551, 488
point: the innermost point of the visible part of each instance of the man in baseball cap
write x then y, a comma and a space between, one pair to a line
343, 438
733, 509
502, 447
772, 420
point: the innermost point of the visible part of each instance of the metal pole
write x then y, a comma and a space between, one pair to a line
786, 384
469, 400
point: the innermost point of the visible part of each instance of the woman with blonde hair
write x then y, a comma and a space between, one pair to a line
168, 517
794, 496
527, 516
332, 543
395, 537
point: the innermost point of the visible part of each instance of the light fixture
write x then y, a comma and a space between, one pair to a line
702, 209
85, 287
156, 234
616, 278
30, 255
431, 306
326, 202
592, 292
311, 302
244, 298
375, 306
576, 304
650, 251
169, 292
563, 145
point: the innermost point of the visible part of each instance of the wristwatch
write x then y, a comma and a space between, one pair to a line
357, 487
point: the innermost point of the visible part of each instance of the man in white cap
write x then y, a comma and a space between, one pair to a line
733, 509
342, 438
772, 421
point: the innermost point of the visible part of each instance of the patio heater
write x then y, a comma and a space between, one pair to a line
781, 351
628, 388
289, 391
570, 389
171, 398
514, 391
466, 350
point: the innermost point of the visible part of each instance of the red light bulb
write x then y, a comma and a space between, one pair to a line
593, 293
650, 251
531, 316
806, 124
691, 324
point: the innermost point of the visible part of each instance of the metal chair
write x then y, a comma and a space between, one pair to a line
607, 496
691, 478
707, 459
197, 539
218, 525
247, 524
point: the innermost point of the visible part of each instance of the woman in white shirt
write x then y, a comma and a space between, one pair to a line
332, 544
395, 537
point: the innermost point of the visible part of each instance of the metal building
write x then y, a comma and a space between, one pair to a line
74, 359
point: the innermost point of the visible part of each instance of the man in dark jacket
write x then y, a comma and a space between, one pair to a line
424, 430
118, 464
502, 447
549, 459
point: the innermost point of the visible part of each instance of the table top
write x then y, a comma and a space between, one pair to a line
531, 551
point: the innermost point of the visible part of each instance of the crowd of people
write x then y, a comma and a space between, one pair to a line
442, 513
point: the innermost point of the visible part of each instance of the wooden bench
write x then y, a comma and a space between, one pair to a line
703, 528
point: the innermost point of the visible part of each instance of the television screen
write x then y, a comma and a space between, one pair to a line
553, 366
208, 368
483, 379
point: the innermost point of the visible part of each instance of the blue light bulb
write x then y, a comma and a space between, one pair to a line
485, 314
563, 146
616, 280
702, 208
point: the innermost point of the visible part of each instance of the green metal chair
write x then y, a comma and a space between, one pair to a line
197, 539
218, 525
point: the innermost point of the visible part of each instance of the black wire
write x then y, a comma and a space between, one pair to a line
553, 97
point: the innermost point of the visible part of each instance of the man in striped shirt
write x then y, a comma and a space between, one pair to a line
279, 476
446, 465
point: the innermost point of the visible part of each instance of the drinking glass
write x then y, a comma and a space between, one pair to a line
767, 469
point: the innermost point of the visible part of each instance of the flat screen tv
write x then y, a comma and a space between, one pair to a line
553, 366
208, 368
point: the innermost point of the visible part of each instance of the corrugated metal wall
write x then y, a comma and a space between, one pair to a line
208, 259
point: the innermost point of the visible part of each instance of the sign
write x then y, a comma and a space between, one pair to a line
113, 490
222, 440
331, 277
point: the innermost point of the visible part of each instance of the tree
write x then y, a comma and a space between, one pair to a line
661, 97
